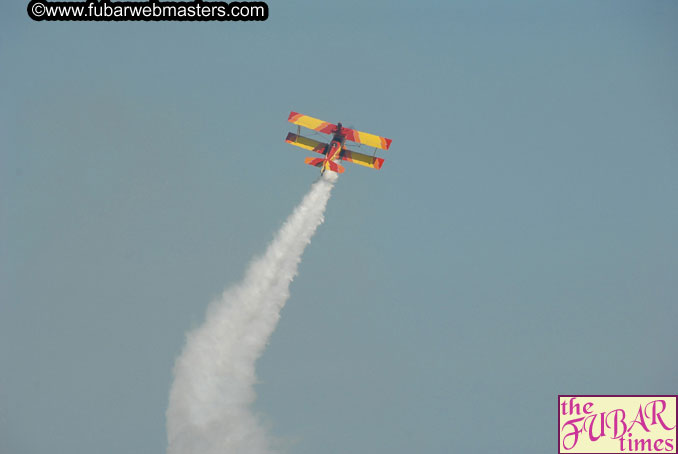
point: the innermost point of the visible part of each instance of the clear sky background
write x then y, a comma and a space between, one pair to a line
519, 242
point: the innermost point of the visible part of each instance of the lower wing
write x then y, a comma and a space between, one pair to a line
361, 159
306, 143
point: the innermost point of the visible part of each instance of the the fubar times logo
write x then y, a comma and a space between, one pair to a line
617, 424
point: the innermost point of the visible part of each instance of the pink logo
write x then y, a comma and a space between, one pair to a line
590, 424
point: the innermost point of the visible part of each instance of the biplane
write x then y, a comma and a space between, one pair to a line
335, 149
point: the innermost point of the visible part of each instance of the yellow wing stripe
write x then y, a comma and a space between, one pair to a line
311, 123
365, 138
370, 140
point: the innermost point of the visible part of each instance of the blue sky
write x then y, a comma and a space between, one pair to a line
519, 242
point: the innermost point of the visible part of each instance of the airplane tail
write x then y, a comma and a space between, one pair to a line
320, 162
334, 167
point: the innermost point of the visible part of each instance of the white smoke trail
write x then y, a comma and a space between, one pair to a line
209, 405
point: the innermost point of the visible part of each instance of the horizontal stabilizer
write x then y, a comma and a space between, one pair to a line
320, 162
361, 159
334, 167
306, 143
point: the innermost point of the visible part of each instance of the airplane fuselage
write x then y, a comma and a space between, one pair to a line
333, 150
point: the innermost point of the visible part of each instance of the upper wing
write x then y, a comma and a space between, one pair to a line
368, 139
361, 159
353, 135
311, 123
306, 143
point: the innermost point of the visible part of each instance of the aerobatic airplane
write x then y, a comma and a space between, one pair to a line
335, 150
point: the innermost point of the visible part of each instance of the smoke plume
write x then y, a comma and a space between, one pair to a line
210, 400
